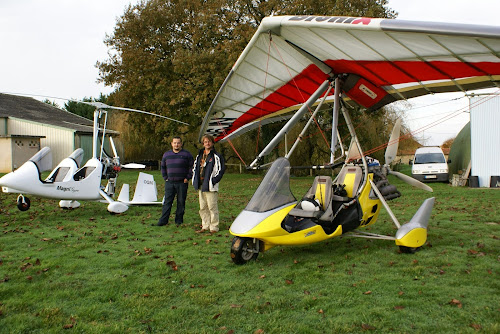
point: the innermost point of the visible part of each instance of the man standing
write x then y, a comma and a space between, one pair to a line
207, 172
176, 169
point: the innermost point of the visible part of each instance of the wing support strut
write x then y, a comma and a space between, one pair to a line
299, 138
298, 115
384, 203
335, 119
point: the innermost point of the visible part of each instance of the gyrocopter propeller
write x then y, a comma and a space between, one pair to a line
390, 155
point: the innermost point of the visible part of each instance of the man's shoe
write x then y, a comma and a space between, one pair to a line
202, 230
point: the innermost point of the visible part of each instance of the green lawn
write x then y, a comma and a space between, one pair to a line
85, 270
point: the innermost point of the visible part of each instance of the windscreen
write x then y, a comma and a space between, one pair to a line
429, 158
274, 190
43, 159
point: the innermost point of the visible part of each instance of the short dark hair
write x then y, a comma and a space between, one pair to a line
177, 137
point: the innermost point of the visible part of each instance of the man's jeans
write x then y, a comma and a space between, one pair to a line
173, 188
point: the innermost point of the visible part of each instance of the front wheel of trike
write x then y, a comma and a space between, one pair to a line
244, 250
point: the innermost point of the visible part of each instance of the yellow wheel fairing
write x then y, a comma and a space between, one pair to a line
414, 238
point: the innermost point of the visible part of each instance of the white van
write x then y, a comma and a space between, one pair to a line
430, 165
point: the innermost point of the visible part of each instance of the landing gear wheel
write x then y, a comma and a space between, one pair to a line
244, 250
408, 250
23, 203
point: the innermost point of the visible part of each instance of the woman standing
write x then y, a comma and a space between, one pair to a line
208, 170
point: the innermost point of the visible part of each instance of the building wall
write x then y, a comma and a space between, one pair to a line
3, 126
23, 149
485, 138
60, 140
5, 155
84, 142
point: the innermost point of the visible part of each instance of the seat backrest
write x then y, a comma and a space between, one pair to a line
321, 190
350, 176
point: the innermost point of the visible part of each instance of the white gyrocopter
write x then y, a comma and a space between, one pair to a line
71, 182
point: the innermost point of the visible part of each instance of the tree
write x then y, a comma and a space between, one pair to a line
82, 109
171, 57
448, 142
52, 103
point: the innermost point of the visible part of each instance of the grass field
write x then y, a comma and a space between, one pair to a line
87, 271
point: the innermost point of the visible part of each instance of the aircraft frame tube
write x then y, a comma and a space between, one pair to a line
352, 131
321, 89
103, 133
384, 203
96, 131
335, 119
299, 138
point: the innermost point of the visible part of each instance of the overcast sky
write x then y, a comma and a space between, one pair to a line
50, 48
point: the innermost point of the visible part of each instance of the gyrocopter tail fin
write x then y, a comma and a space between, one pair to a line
124, 194
414, 233
145, 191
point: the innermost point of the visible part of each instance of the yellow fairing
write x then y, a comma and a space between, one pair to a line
414, 238
307, 236
269, 226
270, 232
370, 207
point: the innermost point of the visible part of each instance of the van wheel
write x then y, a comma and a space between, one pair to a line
244, 250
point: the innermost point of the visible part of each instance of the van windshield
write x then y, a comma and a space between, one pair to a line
429, 158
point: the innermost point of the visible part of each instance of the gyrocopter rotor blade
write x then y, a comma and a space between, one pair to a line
98, 105
390, 154
101, 105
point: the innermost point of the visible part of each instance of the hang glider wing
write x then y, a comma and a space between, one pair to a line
378, 60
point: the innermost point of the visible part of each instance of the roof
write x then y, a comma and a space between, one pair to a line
29, 109
429, 149
20, 136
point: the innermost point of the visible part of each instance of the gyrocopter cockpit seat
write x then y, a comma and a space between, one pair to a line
350, 177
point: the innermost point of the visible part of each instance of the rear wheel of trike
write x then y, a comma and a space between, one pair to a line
408, 250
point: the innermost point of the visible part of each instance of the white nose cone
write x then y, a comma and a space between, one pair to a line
22, 178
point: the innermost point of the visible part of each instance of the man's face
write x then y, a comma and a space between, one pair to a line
176, 144
207, 143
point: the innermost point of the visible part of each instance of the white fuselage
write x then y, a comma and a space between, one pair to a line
71, 183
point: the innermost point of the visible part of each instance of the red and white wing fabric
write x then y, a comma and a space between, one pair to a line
378, 61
